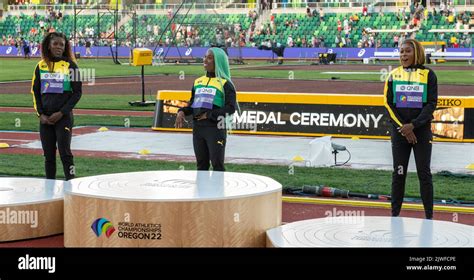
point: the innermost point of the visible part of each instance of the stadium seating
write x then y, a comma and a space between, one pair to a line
208, 23
309, 26
66, 25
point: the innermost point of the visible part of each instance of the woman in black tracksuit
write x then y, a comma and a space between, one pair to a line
410, 97
56, 89
213, 101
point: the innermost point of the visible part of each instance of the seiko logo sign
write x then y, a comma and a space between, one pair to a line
361, 53
450, 102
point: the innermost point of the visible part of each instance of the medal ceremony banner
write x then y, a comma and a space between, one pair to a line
308, 114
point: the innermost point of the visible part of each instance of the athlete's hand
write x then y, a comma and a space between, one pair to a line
406, 129
55, 117
202, 116
180, 119
411, 137
44, 120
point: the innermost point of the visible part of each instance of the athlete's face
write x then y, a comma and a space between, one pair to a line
407, 55
57, 46
209, 64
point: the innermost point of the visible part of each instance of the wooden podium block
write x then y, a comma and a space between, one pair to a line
368, 231
171, 209
30, 208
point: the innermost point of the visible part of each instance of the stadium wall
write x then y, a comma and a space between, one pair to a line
245, 53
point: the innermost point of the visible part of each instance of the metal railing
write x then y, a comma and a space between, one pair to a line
197, 6
62, 7
340, 4
359, 3
139, 7
229, 5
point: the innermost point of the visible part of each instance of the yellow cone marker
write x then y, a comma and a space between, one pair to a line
144, 152
470, 166
103, 129
298, 158
4, 145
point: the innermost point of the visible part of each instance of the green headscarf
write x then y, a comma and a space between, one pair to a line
222, 70
221, 62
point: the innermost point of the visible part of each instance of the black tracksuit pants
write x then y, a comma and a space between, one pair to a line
209, 146
60, 133
401, 150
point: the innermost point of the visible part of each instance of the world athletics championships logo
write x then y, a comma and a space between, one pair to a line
101, 225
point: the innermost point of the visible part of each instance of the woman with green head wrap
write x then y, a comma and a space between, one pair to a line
213, 100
